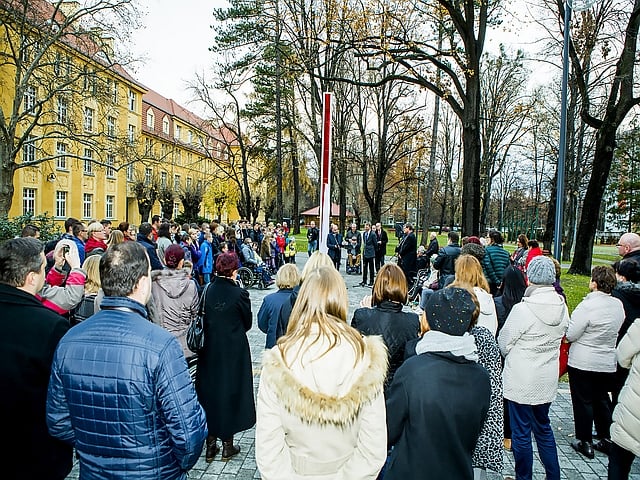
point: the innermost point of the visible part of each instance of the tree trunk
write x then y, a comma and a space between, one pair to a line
7, 172
603, 158
471, 166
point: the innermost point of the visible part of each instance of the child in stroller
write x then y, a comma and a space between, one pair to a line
353, 257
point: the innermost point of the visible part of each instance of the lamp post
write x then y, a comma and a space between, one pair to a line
577, 5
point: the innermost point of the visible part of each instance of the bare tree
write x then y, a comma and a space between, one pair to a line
55, 54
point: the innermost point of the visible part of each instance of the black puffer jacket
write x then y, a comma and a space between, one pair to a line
395, 326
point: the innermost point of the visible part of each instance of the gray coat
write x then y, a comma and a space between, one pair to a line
174, 303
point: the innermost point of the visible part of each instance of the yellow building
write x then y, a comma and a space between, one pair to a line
86, 130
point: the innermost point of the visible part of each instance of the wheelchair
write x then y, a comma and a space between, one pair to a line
353, 264
413, 295
248, 277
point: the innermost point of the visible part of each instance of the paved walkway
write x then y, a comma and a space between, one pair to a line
243, 467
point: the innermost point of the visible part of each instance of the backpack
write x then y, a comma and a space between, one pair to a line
83, 310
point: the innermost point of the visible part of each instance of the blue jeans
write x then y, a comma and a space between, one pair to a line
312, 247
527, 418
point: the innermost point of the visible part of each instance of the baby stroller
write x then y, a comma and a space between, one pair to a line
413, 295
353, 258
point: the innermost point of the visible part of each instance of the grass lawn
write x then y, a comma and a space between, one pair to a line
575, 286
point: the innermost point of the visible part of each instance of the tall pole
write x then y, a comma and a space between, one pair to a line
325, 173
562, 151
279, 200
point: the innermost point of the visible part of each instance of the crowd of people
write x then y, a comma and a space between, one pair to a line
95, 357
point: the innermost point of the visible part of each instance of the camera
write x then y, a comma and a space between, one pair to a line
65, 249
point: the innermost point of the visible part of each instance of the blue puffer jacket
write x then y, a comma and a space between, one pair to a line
120, 392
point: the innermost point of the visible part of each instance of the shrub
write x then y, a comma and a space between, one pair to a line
12, 227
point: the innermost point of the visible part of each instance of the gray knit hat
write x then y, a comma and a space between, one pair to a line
541, 271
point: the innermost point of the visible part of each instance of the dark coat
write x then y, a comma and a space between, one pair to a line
395, 326
152, 251
334, 246
445, 261
496, 259
269, 314
224, 378
436, 407
407, 253
383, 239
369, 244
29, 334
120, 391
433, 248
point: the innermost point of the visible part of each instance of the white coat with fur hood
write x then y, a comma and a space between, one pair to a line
625, 429
530, 342
322, 416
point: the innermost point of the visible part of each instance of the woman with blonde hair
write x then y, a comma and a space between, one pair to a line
287, 279
88, 305
469, 275
320, 410
115, 237
386, 318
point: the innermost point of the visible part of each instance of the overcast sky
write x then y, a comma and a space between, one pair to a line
173, 45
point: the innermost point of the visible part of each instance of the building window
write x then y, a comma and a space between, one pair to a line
108, 206
163, 179
30, 99
63, 111
114, 93
111, 161
88, 164
176, 209
147, 176
150, 118
188, 183
61, 159
61, 204
165, 125
131, 134
148, 146
111, 127
178, 132
130, 172
29, 150
178, 157
176, 183
132, 101
87, 203
88, 119
28, 201
190, 136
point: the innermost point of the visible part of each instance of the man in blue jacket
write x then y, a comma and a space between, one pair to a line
120, 391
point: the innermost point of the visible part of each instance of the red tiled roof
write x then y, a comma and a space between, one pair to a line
335, 211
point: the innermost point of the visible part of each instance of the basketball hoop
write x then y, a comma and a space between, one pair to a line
580, 5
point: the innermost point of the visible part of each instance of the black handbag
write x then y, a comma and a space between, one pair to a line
195, 332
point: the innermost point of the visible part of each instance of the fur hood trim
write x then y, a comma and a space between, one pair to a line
317, 408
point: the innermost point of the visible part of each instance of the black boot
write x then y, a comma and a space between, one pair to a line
212, 448
229, 449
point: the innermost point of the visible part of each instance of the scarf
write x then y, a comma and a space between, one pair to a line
434, 341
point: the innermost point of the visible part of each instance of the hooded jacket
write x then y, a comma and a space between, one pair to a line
625, 429
175, 303
322, 416
530, 342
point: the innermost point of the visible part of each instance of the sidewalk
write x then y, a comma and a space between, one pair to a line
243, 467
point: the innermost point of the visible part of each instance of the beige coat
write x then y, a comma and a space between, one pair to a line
322, 416
625, 429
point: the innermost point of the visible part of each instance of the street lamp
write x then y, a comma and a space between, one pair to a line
577, 5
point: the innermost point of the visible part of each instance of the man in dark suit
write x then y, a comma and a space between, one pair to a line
407, 249
369, 243
29, 334
381, 249
334, 245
